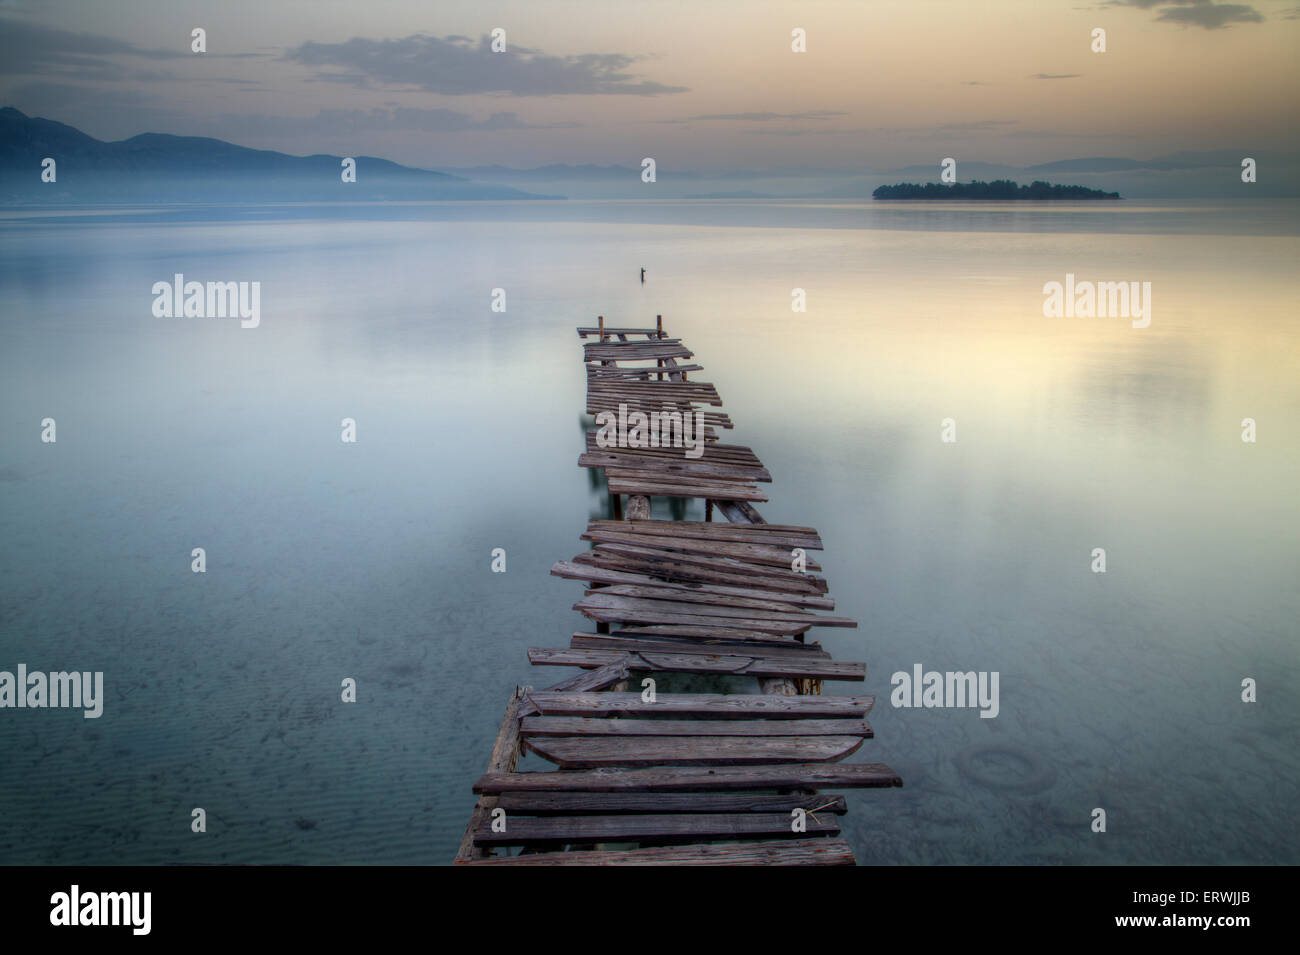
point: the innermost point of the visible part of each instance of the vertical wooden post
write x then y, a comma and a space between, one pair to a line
601, 319
659, 326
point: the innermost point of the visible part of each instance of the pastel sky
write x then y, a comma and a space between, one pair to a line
700, 85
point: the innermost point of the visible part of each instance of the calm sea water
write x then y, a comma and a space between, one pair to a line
371, 560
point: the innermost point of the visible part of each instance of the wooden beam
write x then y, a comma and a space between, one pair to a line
583, 726
607, 804
800, 776
674, 827
815, 851
504, 759
715, 706
595, 752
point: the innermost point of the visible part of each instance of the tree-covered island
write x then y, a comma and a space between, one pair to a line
998, 190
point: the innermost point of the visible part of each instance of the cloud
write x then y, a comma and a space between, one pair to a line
998, 126
78, 103
26, 48
1212, 16
405, 119
456, 65
976, 126
1201, 13
815, 114
29, 49
1055, 76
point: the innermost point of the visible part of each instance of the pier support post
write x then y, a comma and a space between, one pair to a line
638, 507
504, 759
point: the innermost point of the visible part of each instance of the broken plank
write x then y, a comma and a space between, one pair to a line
586, 726
588, 680
792, 650
604, 575
602, 599
748, 553
695, 778
625, 615
764, 574
681, 595
504, 759
685, 660
664, 468
594, 752
603, 804
819, 850
526, 830
786, 535
713, 705
671, 486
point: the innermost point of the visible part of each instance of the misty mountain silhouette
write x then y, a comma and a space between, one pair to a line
162, 168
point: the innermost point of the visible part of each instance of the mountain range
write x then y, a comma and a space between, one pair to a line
155, 167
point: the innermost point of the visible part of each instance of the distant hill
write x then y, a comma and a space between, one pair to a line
154, 167
999, 190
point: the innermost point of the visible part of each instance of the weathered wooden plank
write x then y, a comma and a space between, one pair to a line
608, 804
585, 331
630, 616
673, 486
682, 595
594, 752
818, 850
584, 726
614, 372
665, 468
696, 778
710, 421
602, 600
713, 705
731, 453
588, 572
784, 535
634, 351
504, 759
696, 572
701, 662
760, 574
671, 827
685, 660
740, 512
745, 553
586, 681
790, 650
701, 393
742, 641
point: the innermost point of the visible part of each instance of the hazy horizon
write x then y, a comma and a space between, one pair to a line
717, 91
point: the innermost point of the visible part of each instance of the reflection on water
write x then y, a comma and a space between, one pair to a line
372, 561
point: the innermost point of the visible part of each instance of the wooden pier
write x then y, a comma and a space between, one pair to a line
679, 778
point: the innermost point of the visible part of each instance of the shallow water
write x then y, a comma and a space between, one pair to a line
327, 560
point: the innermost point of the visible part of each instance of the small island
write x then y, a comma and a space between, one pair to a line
998, 190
